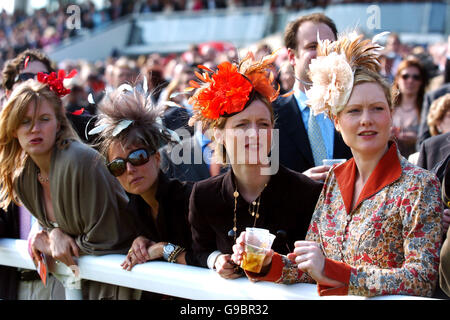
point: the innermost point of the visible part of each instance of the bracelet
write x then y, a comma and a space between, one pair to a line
175, 253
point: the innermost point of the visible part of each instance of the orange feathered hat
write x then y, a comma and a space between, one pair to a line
228, 90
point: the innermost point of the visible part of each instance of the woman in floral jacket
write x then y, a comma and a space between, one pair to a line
377, 227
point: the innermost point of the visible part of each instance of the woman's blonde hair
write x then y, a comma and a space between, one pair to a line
12, 156
364, 75
437, 112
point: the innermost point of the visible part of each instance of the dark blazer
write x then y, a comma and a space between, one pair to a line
171, 224
295, 150
424, 131
175, 118
287, 204
433, 150
9, 276
188, 169
79, 124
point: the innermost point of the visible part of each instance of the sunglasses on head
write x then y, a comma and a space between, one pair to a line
137, 158
25, 76
406, 76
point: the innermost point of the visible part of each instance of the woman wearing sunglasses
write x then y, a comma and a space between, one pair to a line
61, 181
410, 81
131, 132
26, 66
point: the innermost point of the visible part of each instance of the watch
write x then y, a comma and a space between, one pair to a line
167, 250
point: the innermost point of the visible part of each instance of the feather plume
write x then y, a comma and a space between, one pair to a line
333, 70
227, 90
130, 108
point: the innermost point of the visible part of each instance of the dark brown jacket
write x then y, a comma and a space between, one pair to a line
286, 207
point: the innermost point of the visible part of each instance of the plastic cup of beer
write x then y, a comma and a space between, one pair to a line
330, 162
257, 242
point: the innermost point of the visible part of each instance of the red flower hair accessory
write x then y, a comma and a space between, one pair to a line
225, 93
55, 83
228, 90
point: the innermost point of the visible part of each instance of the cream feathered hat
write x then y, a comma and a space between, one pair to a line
332, 72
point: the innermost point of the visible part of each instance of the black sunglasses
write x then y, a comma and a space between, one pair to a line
25, 76
406, 76
137, 158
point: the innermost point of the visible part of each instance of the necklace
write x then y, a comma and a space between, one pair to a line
251, 210
41, 179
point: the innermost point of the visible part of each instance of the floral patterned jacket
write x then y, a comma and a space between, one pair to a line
388, 243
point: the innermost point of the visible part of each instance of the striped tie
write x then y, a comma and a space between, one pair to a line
315, 140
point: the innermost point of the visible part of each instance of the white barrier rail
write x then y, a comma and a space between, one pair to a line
175, 280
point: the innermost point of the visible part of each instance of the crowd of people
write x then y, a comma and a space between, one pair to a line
45, 29
91, 163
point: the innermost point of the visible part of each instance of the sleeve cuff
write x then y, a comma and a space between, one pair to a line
212, 259
275, 271
338, 271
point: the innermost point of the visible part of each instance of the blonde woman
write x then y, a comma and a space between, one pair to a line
438, 118
376, 229
63, 182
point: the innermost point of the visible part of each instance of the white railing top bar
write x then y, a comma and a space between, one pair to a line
172, 279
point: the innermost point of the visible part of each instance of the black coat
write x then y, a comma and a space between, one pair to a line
190, 166
287, 204
295, 150
434, 150
9, 276
424, 130
172, 220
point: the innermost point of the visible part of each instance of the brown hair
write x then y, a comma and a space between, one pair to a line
12, 156
13, 67
219, 149
406, 63
438, 110
290, 33
138, 108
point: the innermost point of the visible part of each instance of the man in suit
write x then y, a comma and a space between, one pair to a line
191, 160
297, 128
424, 131
434, 150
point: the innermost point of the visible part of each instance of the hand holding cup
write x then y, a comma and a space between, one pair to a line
252, 249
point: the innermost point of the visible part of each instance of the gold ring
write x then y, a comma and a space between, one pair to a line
130, 251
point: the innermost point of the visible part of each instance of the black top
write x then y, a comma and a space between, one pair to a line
9, 276
287, 204
172, 220
434, 150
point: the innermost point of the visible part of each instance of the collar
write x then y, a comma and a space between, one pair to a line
386, 172
301, 98
202, 140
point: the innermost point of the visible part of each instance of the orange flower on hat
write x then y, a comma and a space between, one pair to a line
225, 93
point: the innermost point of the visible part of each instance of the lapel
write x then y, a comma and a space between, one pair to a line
386, 172
291, 121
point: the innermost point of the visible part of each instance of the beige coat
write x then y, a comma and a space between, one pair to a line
89, 203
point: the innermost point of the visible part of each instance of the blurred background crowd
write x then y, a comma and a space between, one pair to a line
169, 73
